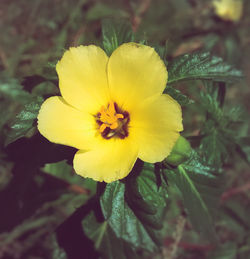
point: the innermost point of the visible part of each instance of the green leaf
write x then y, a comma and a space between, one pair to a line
201, 66
208, 180
105, 240
122, 219
24, 120
134, 210
114, 33
182, 99
196, 165
219, 141
215, 148
193, 202
201, 187
11, 89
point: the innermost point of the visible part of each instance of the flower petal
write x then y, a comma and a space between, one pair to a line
156, 125
83, 79
113, 159
135, 72
63, 124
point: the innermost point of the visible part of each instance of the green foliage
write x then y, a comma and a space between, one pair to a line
137, 208
11, 89
40, 194
200, 191
12, 96
105, 240
220, 140
24, 120
201, 66
182, 99
114, 33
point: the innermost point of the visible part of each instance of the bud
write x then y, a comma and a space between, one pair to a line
228, 10
180, 153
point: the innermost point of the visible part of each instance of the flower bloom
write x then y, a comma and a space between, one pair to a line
229, 10
112, 109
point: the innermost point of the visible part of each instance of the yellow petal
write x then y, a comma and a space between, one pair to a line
63, 124
135, 72
156, 125
83, 79
113, 159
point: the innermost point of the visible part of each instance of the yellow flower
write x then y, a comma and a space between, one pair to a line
229, 10
112, 110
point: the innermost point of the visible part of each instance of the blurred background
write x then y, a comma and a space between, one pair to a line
34, 35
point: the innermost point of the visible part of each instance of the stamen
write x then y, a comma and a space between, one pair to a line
114, 125
111, 123
109, 117
103, 127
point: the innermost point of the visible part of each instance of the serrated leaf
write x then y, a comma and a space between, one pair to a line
11, 89
182, 99
106, 242
122, 219
207, 179
134, 210
220, 140
201, 66
24, 120
197, 165
215, 148
114, 33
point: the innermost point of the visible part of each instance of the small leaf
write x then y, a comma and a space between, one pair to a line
201, 66
11, 89
24, 120
114, 33
215, 148
182, 99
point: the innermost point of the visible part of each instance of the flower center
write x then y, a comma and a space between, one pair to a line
112, 121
